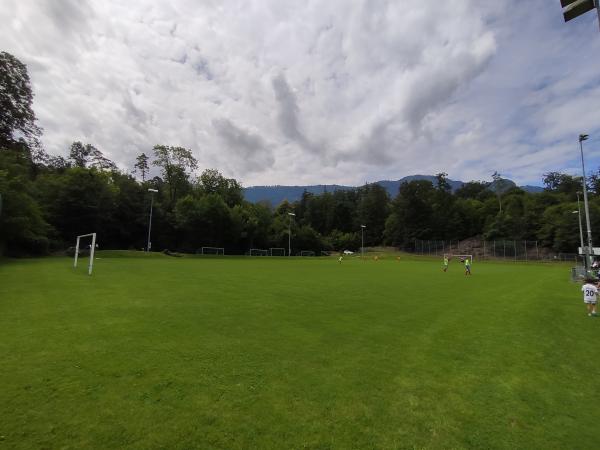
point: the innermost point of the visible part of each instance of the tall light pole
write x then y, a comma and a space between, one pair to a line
583, 137
362, 241
152, 192
575, 8
578, 212
290, 234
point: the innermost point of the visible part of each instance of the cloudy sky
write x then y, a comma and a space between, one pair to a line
317, 91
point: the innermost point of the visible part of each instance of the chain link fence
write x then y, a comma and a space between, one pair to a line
515, 250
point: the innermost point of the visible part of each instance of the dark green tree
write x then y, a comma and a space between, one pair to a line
17, 119
372, 210
562, 183
86, 155
23, 229
212, 182
411, 214
141, 166
176, 165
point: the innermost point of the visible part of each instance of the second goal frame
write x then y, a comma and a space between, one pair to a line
92, 248
258, 252
212, 251
452, 255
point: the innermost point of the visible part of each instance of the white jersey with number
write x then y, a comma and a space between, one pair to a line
589, 293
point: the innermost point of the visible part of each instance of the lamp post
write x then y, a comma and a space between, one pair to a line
362, 241
589, 248
578, 212
290, 233
152, 192
575, 8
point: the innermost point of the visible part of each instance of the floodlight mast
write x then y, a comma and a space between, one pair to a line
575, 8
290, 233
362, 241
584, 137
578, 212
152, 192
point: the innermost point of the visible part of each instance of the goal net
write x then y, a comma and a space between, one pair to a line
579, 273
307, 253
277, 251
325, 253
461, 258
91, 247
258, 252
212, 251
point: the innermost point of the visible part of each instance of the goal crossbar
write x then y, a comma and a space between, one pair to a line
452, 255
212, 251
259, 252
277, 250
92, 248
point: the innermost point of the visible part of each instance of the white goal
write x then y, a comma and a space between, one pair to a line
92, 247
258, 252
461, 258
212, 251
276, 251
307, 253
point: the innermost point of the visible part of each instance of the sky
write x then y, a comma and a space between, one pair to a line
317, 91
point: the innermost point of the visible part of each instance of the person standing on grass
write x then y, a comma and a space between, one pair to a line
467, 266
590, 296
445, 268
340, 259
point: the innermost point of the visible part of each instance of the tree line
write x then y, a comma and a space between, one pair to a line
47, 200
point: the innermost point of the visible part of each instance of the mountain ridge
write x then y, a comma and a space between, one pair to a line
275, 194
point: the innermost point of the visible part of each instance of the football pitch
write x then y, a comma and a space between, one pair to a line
228, 353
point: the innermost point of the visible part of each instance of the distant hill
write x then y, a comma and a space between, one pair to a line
532, 189
276, 194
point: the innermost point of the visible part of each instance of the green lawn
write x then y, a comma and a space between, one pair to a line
161, 352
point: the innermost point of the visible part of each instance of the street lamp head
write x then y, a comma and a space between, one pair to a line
152, 190
583, 137
291, 214
363, 226
574, 212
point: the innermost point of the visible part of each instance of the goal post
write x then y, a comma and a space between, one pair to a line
461, 257
258, 252
212, 251
276, 251
92, 249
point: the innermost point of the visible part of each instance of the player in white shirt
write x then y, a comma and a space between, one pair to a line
590, 296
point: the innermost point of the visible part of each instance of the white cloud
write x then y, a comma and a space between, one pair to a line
279, 91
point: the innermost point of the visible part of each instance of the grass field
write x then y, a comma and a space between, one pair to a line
160, 352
